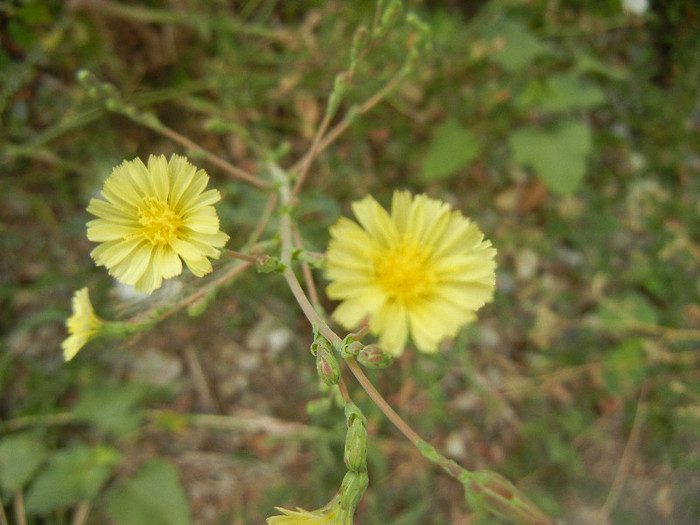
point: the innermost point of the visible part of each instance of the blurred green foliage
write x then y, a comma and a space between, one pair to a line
568, 130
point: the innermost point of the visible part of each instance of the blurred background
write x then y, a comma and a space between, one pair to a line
568, 130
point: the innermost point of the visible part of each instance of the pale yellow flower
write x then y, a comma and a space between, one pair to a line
83, 325
153, 218
422, 269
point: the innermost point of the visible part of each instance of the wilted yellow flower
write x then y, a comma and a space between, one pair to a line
328, 515
152, 217
424, 269
83, 325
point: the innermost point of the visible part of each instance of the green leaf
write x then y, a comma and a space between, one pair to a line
73, 475
20, 457
585, 63
517, 45
451, 148
625, 368
562, 92
34, 14
626, 312
557, 156
112, 407
153, 497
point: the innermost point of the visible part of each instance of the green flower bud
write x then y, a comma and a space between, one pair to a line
352, 349
340, 86
356, 446
268, 264
326, 364
389, 18
352, 489
372, 356
359, 41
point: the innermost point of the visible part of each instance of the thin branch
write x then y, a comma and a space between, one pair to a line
340, 128
383, 405
81, 513
242, 423
229, 168
311, 155
626, 459
20, 513
3, 516
242, 256
199, 294
264, 219
305, 270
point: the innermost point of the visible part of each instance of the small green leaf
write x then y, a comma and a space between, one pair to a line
153, 497
73, 475
585, 63
20, 457
34, 14
451, 148
565, 92
562, 92
557, 156
112, 407
628, 311
625, 368
517, 46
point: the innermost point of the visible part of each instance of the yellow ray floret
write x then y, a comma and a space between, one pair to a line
83, 325
152, 218
421, 270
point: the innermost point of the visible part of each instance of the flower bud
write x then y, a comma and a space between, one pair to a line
268, 264
352, 349
327, 365
352, 489
372, 356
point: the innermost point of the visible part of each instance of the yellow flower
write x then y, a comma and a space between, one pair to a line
82, 326
424, 269
328, 515
151, 218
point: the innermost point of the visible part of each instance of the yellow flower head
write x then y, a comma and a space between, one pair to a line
152, 217
82, 326
424, 269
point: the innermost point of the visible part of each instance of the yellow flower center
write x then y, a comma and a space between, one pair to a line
160, 223
404, 273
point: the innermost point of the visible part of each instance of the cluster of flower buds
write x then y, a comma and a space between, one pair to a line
369, 356
356, 479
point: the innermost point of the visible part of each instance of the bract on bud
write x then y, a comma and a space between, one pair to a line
372, 356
